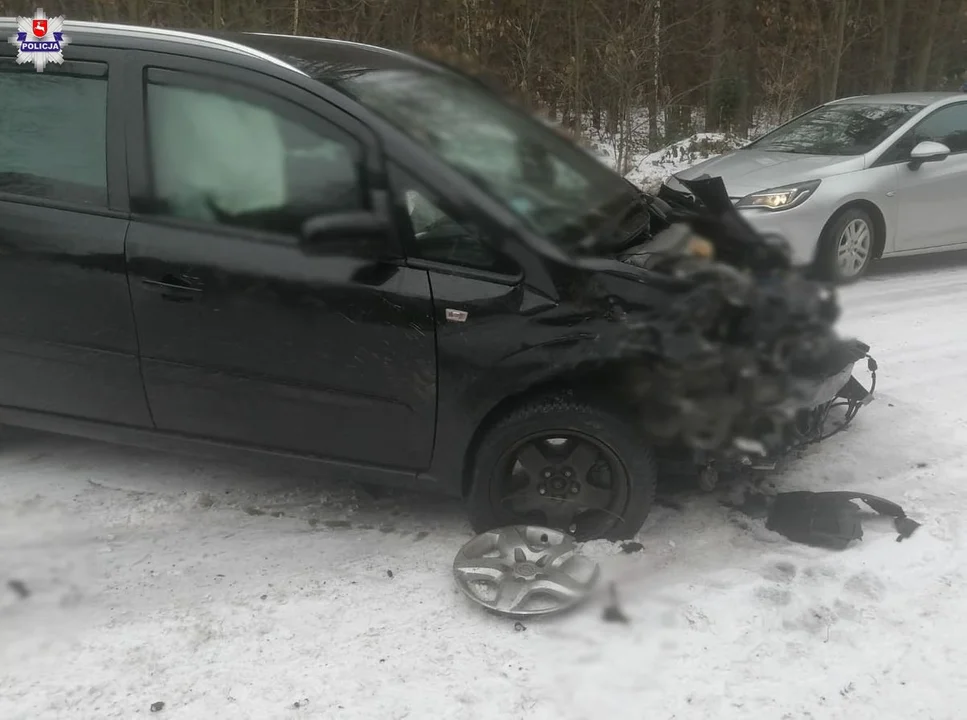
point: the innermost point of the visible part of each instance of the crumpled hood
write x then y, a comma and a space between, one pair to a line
749, 171
721, 349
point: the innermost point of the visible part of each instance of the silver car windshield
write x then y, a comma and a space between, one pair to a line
558, 189
841, 129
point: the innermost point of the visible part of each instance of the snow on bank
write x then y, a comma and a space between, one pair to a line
650, 170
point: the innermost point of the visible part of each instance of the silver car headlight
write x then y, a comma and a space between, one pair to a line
780, 198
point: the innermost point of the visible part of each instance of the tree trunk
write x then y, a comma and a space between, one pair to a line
713, 96
655, 93
942, 55
410, 30
891, 20
839, 37
922, 64
747, 67
577, 88
678, 122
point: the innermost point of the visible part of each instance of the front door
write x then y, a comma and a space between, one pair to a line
481, 301
245, 337
929, 198
67, 339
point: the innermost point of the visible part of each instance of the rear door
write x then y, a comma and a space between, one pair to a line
930, 198
67, 337
244, 337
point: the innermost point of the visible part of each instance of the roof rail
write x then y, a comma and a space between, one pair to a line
171, 36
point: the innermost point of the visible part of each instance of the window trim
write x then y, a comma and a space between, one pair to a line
278, 95
881, 162
95, 62
465, 271
398, 176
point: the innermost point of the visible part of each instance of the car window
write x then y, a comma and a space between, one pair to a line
556, 188
948, 126
443, 236
53, 133
221, 159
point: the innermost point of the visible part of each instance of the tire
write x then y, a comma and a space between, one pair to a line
853, 232
630, 478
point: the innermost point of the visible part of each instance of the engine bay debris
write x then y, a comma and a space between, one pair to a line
730, 348
831, 519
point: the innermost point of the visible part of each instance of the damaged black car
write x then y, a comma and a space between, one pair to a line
337, 254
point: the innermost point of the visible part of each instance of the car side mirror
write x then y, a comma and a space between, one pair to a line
927, 151
363, 230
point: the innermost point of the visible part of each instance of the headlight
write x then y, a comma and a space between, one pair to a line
780, 198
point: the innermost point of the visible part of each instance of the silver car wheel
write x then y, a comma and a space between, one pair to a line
854, 247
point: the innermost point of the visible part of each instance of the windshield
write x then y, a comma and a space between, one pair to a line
558, 189
843, 129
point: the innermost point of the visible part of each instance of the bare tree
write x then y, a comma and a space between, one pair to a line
622, 68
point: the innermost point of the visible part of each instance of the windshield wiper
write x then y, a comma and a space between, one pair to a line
779, 147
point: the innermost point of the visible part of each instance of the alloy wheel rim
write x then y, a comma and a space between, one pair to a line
566, 481
854, 247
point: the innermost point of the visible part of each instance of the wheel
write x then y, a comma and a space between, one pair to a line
565, 465
846, 247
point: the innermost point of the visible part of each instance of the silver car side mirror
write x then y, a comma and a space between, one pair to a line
928, 151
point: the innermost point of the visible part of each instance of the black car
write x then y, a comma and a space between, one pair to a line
345, 255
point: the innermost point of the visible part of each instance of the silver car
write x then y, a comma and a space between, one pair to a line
855, 179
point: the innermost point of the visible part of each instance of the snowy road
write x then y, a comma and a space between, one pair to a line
230, 592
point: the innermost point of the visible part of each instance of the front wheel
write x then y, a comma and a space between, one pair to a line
846, 247
564, 465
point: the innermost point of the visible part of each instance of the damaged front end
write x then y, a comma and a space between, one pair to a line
729, 353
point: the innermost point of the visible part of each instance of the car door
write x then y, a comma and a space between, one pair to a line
929, 197
67, 338
481, 301
245, 337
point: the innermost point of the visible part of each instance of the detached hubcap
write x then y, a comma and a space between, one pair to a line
524, 571
854, 247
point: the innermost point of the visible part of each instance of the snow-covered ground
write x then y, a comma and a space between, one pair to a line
235, 592
649, 171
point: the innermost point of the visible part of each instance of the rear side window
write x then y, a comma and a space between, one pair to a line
53, 132
229, 156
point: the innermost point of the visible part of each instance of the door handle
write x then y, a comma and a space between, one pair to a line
173, 288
